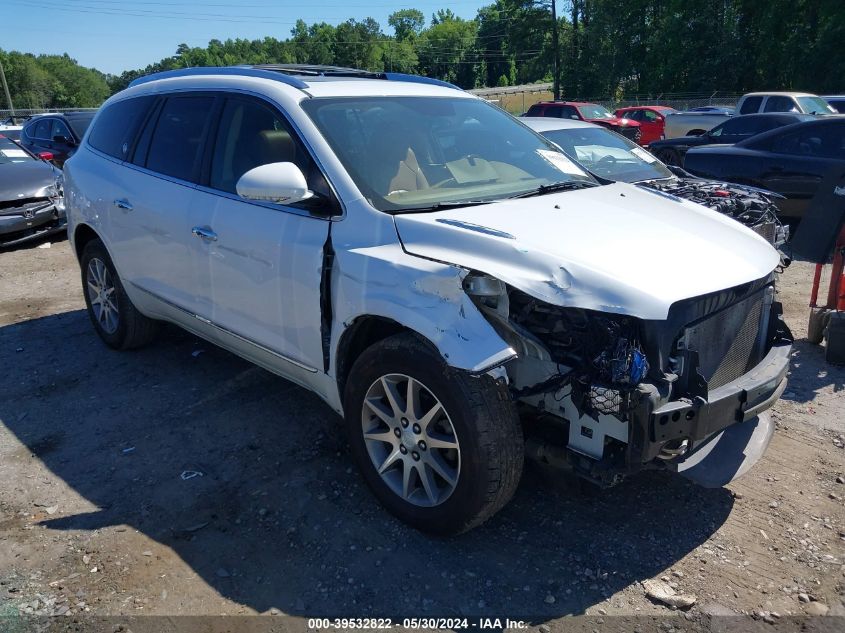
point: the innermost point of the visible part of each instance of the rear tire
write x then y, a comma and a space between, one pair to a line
116, 320
474, 438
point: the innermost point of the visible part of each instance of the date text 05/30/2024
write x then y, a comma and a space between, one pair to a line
317, 624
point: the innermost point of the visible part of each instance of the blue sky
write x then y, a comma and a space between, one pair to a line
118, 35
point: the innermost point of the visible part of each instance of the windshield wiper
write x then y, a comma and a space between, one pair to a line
568, 185
440, 206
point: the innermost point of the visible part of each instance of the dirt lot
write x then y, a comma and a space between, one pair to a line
100, 511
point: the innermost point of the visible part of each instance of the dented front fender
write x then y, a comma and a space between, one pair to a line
423, 295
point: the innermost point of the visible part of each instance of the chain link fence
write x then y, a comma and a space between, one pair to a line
20, 114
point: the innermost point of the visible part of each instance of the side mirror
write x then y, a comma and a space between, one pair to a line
283, 183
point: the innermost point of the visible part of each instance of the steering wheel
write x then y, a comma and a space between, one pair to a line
443, 183
607, 159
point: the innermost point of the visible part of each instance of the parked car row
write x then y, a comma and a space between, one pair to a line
590, 112
791, 161
672, 150
458, 288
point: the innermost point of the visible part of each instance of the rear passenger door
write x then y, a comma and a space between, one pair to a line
150, 213
261, 261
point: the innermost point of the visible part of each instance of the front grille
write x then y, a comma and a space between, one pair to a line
21, 205
728, 343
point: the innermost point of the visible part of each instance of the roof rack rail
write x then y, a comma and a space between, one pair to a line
419, 79
247, 71
290, 74
315, 70
318, 70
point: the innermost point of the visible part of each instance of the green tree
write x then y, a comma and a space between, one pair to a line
407, 23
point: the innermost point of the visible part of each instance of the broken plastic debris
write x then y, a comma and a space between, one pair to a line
660, 591
51, 509
128, 450
190, 474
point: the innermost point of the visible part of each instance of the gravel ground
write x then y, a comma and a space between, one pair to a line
101, 511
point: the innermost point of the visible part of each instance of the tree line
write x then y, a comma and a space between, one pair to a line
607, 49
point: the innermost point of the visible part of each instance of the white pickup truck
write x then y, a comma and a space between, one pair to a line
680, 124
696, 123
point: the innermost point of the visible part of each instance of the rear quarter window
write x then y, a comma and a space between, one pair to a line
117, 126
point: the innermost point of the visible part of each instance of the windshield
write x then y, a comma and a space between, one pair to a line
80, 121
415, 153
815, 105
593, 111
608, 154
11, 153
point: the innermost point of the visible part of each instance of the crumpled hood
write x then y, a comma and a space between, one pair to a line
615, 248
24, 180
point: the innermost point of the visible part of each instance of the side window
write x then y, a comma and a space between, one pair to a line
780, 104
634, 115
59, 129
555, 111
117, 125
566, 112
252, 134
649, 116
751, 105
41, 129
739, 126
178, 137
803, 143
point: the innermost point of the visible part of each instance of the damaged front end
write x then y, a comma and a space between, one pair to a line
607, 395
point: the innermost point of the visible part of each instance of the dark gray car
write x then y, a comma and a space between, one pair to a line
31, 201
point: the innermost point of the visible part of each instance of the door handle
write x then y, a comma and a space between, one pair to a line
123, 203
205, 234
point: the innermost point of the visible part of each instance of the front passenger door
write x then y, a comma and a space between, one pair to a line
262, 261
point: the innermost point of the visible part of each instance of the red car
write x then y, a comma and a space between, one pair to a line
590, 112
651, 120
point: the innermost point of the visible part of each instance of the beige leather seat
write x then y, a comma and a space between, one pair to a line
409, 176
393, 164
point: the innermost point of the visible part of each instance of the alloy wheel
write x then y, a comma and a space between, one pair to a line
102, 295
410, 440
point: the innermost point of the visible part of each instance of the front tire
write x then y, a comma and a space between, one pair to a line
441, 449
116, 320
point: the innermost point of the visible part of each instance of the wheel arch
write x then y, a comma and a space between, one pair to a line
363, 332
83, 234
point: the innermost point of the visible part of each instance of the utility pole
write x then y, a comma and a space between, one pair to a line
555, 42
6, 90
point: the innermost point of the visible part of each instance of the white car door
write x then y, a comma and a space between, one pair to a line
150, 222
262, 261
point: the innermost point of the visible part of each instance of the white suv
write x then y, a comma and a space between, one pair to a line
441, 275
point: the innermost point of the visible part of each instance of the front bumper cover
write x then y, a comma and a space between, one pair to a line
730, 414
